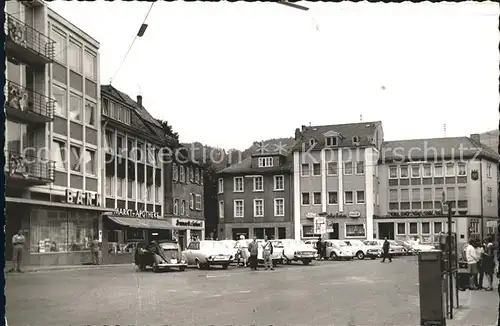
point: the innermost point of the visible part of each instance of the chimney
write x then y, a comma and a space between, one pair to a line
139, 100
476, 138
297, 134
303, 127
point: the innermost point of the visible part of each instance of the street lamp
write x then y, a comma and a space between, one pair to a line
293, 5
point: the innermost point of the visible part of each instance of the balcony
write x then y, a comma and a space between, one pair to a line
26, 170
25, 44
28, 106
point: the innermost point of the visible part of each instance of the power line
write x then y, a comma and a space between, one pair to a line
139, 34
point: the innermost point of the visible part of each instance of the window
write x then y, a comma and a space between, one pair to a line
355, 230
333, 198
120, 187
312, 141
450, 169
258, 207
426, 228
59, 46
59, 154
108, 141
462, 169
149, 193
413, 228
190, 172
221, 209
438, 170
279, 182
90, 65
258, 184
438, 227
415, 195
182, 175
198, 203
238, 208
75, 108
317, 198
265, 162
305, 170
332, 168
75, 57
355, 139
393, 172
360, 197
59, 95
415, 171
183, 208
140, 191
110, 186
157, 194
438, 194
462, 193
427, 194
360, 167
151, 155
349, 197
90, 113
140, 157
488, 170
130, 189
105, 106
316, 169
191, 200
119, 145
401, 228
306, 198
403, 172
90, 164
197, 176
176, 206
393, 196
489, 195
175, 172
331, 141
427, 171
279, 207
238, 184
348, 168
74, 160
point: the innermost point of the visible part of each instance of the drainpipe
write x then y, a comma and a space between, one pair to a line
482, 199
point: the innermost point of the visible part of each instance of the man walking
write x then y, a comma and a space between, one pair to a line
94, 248
18, 241
385, 251
267, 251
253, 249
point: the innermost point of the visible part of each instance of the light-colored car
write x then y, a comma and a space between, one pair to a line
358, 247
376, 245
418, 247
295, 250
338, 250
232, 245
206, 253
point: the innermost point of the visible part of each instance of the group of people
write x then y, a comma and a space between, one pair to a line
480, 262
249, 253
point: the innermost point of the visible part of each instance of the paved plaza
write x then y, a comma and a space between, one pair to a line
324, 293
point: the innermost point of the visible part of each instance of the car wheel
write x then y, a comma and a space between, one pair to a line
225, 266
275, 263
360, 255
306, 262
333, 256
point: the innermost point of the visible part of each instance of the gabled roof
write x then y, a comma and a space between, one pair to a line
245, 167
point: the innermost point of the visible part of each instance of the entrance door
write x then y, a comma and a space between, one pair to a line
258, 233
335, 234
386, 230
182, 239
281, 233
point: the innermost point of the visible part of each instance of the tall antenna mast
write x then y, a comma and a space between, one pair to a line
444, 130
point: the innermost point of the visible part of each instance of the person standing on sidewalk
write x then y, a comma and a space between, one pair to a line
319, 248
253, 249
470, 256
480, 272
488, 262
94, 248
267, 251
386, 247
18, 241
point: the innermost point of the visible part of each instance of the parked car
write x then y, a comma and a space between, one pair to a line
233, 247
358, 247
418, 247
206, 253
338, 250
162, 255
295, 250
407, 246
377, 244
395, 249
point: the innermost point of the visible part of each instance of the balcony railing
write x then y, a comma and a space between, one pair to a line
19, 36
28, 105
29, 168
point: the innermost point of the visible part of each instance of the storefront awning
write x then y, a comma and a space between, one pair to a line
139, 223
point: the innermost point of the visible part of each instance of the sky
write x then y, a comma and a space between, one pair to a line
228, 74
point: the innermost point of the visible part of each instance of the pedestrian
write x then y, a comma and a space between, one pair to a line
470, 256
243, 250
94, 249
267, 251
319, 248
480, 273
488, 262
253, 249
385, 251
18, 241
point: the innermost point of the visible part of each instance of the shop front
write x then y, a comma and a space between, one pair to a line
187, 230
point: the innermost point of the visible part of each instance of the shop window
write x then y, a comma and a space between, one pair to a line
75, 161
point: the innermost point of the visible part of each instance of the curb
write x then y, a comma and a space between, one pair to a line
66, 268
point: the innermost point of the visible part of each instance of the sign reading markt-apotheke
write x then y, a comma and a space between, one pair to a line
80, 197
136, 214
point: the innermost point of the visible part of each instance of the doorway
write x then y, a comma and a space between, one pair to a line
258, 233
181, 238
334, 235
240, 232
386, 230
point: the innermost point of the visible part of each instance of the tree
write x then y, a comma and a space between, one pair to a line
168, 129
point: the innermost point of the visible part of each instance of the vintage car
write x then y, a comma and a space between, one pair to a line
376, 245
338, 250
407, 246
418, 247
358, 247
206, 253
295, 250
159, 255
232, 246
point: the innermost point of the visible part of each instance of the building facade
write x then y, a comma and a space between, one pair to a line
53, 131
416, 176
335, 180
255, 198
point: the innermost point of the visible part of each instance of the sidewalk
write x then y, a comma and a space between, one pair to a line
32, 269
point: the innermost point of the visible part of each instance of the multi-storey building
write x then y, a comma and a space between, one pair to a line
335, 180
416, 176
255, 197
52, 164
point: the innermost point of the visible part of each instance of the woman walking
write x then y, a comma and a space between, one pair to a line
244, 254
488, 262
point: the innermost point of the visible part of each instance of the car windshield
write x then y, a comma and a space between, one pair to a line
342, 244
229, 243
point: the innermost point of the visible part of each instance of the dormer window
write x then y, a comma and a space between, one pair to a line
331, 141
355, 139
265, 162
312, 141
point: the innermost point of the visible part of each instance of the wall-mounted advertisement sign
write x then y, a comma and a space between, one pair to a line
80, 197
124, 212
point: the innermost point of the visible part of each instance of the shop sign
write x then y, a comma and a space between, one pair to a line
319, 225
329, 226
189, 223
80, 197
125, 212
491, 224
354, 214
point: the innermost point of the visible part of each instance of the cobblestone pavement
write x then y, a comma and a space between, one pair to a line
324, 293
